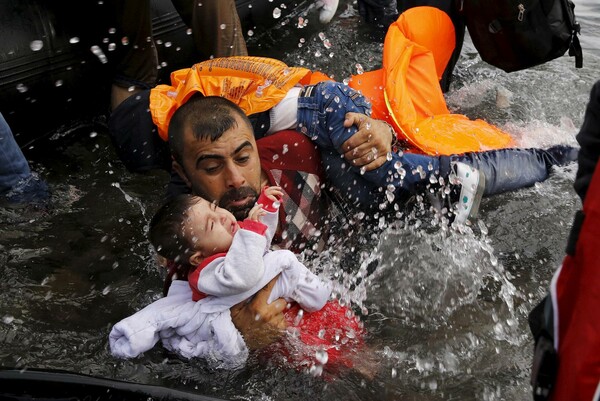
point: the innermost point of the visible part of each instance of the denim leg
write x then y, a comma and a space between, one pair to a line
321, 117
401, 176
510, 169
13, 165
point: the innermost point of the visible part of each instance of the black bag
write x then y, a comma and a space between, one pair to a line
517, 34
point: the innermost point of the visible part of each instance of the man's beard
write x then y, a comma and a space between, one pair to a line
240, 212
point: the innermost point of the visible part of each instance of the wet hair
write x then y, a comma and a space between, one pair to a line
167, 229
208, 117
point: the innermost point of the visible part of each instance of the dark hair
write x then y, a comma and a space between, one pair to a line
208, 117
167, 229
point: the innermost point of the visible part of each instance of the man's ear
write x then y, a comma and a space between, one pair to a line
196, 258
181, 172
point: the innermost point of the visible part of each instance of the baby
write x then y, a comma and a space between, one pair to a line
228, 262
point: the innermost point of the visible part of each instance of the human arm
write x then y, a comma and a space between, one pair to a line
369, 146
259, 322
297, 283
269, 200
139, 332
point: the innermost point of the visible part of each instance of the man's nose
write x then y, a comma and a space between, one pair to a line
235, 179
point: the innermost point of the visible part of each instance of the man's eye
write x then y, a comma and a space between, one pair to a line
212, 168
243, 159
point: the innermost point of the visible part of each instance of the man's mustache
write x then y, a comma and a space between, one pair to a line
236, 194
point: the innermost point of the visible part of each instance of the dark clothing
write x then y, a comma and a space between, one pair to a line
215, 27
589, 139
381, 13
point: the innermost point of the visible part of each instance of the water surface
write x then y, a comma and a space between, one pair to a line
445, 310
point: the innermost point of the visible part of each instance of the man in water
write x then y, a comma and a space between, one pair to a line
216, 154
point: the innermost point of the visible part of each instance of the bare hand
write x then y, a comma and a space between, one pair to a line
256, 212
274, 193
369, 146
260, 323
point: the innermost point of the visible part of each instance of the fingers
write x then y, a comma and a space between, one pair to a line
256, 212
353, 119
274, 193
369, 162
369, 146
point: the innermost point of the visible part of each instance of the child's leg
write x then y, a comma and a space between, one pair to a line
321, 113
513, 168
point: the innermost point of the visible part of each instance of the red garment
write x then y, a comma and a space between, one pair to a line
293, 162
334, 329
576, 300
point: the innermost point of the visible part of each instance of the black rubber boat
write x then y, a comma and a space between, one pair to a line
56, 385
49, 77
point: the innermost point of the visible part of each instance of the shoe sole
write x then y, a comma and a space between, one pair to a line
478, 196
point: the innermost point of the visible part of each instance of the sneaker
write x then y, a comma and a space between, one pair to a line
31, 190
472, 185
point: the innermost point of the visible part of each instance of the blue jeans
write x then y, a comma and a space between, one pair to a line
17, 182
13, 165
321, 114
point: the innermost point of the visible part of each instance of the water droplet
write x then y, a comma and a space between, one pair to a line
298, 317
74, 40
316, 370
250, 32
394, 373
359, 68
276, 12
327, 44
22, 88
97, 51
223, 26
322, 356
112, 47
93, 134
36, 45
106, 290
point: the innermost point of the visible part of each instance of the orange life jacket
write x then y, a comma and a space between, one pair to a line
255, 84
406, 91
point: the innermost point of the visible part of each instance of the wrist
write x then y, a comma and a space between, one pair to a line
394, 137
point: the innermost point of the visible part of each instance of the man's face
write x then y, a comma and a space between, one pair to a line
226, 171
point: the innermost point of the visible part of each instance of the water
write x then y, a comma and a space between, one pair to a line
445, 310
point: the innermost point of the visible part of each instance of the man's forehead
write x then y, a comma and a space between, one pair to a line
228, 142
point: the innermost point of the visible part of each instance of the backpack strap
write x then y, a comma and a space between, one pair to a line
575, 46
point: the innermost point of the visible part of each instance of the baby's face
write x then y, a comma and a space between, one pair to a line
210, 228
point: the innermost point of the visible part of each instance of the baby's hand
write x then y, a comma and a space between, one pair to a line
274, 193
256, 212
